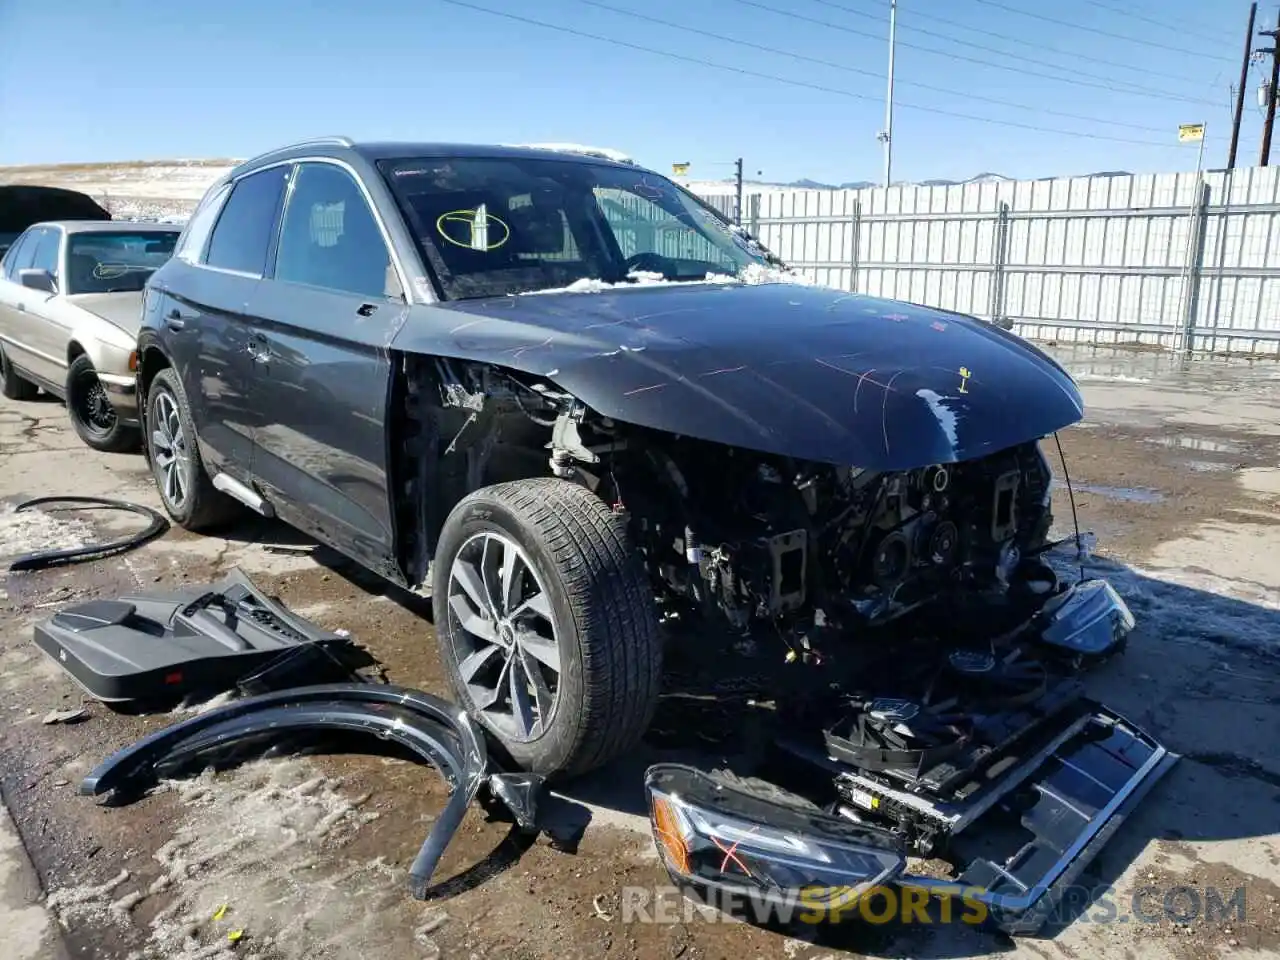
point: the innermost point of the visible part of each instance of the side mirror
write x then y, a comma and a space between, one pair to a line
38, 280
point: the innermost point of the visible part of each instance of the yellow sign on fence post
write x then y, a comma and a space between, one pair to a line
1190, 132
679, 169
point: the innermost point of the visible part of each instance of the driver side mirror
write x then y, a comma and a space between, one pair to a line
38, 280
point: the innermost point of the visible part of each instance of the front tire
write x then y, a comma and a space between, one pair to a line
186, 490
11, 384
546, 623
93, 418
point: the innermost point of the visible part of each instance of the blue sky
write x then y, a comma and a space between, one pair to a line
142, 79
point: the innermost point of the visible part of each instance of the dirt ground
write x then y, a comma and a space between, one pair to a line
1177, 472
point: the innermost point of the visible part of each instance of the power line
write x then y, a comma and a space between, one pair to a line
1102, 33
1110, 85
1167, 25
934, 18
849, 69
743, 71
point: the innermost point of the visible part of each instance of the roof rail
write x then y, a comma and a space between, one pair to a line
337, 141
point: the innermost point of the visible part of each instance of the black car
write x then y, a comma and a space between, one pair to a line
590, 416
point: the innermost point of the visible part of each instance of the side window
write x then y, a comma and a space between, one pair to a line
45, 256
196, 234
19, 255
243, 232
330, 238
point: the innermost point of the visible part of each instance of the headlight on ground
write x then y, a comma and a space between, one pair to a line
715, 836
1089, 619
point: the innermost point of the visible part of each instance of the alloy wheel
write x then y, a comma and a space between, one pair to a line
508, 649
169, 451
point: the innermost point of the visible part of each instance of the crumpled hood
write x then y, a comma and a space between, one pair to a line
807, 372
123, 310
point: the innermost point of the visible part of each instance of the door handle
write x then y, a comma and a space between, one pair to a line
173, 320
22, 308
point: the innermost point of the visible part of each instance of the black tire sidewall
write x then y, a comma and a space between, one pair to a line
166, 382
11, 384
113, 440
551, 750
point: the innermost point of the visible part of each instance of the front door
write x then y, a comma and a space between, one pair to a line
322, 371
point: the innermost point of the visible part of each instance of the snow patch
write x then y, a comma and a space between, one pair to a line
264, 843
945, 416
602, 153
752, 275
31, 530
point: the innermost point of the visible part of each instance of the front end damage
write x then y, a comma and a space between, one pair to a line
1009, 785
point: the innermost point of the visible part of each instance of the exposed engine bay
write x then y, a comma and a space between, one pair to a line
753, 540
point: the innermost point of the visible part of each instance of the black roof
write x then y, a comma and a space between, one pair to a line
372, 151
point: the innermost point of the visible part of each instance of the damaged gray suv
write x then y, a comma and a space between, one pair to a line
602, 426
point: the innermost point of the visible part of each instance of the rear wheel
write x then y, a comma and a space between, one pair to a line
186, 490
546, 624
11, 384
92, 416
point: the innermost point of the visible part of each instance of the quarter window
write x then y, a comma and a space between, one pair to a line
242, 236
196, 234
330, 239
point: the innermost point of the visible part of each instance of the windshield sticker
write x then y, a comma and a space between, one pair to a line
113, 271
476, 229
648, 190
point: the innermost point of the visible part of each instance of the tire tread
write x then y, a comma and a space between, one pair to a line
609, 595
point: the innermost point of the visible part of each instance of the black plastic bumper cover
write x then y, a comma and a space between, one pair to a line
435, 730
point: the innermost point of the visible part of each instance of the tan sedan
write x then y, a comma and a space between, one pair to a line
70, 305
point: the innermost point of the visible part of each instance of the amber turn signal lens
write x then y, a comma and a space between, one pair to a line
133, 362
666, 825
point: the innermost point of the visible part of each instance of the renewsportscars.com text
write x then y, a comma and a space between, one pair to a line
917, 905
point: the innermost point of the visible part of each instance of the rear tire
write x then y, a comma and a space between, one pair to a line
185, 488
93, 418
11, 384
553, 578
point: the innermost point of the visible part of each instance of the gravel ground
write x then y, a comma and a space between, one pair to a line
305, 857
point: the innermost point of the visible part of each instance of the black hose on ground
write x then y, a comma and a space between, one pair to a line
52, 558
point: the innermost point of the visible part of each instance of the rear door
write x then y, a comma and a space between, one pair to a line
17, 257
322, 370
205, 320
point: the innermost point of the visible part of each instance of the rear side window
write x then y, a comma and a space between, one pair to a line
19, 255
46, 252
329, 237
243, 233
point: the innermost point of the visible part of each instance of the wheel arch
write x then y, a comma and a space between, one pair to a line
151, 360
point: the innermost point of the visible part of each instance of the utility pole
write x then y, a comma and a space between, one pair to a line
737, 191
886, 135
1244, 80
1271, 92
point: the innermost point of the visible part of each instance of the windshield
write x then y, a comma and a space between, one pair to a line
496, 226
112, 261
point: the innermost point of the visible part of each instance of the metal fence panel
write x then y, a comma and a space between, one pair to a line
1172, 260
